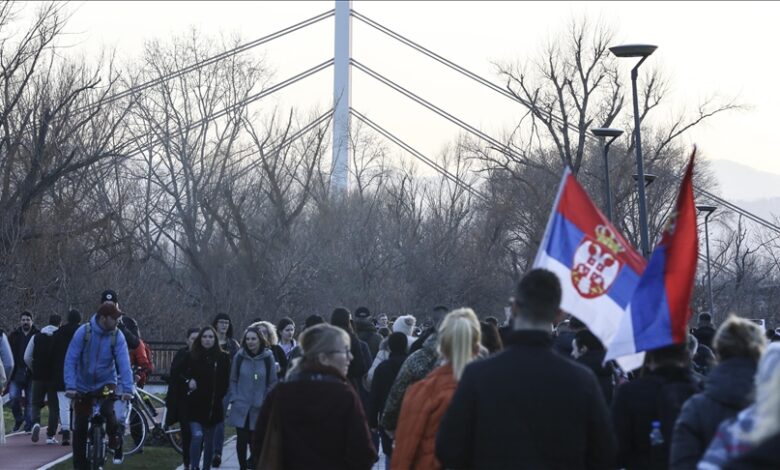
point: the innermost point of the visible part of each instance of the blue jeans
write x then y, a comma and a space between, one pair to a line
219, 432
202, 436
15, 391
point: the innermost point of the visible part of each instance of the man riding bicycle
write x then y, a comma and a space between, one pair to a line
96, 353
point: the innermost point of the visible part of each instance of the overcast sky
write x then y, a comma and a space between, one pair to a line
726, 48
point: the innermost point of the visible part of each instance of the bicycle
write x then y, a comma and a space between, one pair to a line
97, 444
141, 416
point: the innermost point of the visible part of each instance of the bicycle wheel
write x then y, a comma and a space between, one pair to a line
135, 433
97, 448
174, 437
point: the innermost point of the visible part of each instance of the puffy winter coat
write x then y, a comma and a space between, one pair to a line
61, 340
727, 391
249, 385
423, 408
91, 364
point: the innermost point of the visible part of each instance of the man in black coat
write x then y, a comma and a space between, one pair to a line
705, 330
60, 343
20, 382
528, 406
38, 358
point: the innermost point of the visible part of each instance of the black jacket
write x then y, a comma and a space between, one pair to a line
176, 398
359, 365
604, 373
526, 407
728, 390
366, 332
60, 343
281, 358
19, 341
212, 375
655, 396
704, 334
42, 349
384, 376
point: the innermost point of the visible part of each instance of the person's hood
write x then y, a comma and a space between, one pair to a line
49, 330
96, 328
731, 382
364, 324
263, 354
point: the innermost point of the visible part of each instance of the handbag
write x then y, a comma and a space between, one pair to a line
271, 453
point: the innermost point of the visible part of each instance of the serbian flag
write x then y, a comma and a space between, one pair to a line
658, 313
598, 269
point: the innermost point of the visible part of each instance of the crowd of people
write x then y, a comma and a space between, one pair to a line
531, 391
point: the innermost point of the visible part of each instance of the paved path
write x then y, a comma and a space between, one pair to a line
20, 453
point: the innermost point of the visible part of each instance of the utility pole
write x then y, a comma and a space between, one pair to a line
342, 96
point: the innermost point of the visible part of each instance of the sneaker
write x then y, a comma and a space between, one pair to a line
66, 438
217, 461
36, 432
119, 456
17, 426
51, 440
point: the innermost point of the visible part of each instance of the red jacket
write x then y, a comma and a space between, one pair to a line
140, 358
423, 409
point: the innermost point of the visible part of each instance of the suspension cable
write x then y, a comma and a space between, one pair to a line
210, 60
443, 171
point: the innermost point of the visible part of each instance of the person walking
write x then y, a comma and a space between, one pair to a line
207, 373
285, 329
20, 382
755, 424
223, 325
6, 356
3, 381
268, 330
426, 401
384, 376
588, 350
252, 376
315, 417
528, 407
176, 398
60, 343
366, 330
729, 389
705, 330
38, 357
645, 410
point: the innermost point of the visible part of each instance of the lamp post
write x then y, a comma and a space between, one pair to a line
708, 212
642, 51
605, 132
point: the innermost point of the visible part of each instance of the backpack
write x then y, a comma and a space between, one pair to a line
267, 360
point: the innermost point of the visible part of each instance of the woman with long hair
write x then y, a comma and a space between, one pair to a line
176, 398
285, 328
426, 401
268, 330
223, 325
315, 413
207, 375
252, 375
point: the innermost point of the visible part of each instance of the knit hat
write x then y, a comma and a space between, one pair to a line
109, 296
404, 324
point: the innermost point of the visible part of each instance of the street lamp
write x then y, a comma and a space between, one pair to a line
708, 210
605, 132
649, 178
642, 51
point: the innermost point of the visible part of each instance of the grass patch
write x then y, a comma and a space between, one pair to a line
151, 458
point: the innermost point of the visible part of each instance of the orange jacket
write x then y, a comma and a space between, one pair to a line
140, 358
423, 408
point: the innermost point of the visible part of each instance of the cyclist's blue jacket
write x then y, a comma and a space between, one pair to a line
88, 367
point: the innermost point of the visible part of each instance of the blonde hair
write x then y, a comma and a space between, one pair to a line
317, 340
271, 337
738, 337
459, 338
767, 416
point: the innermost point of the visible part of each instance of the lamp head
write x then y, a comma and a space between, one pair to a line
649, 178
606, 132
633, 50
706, 208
